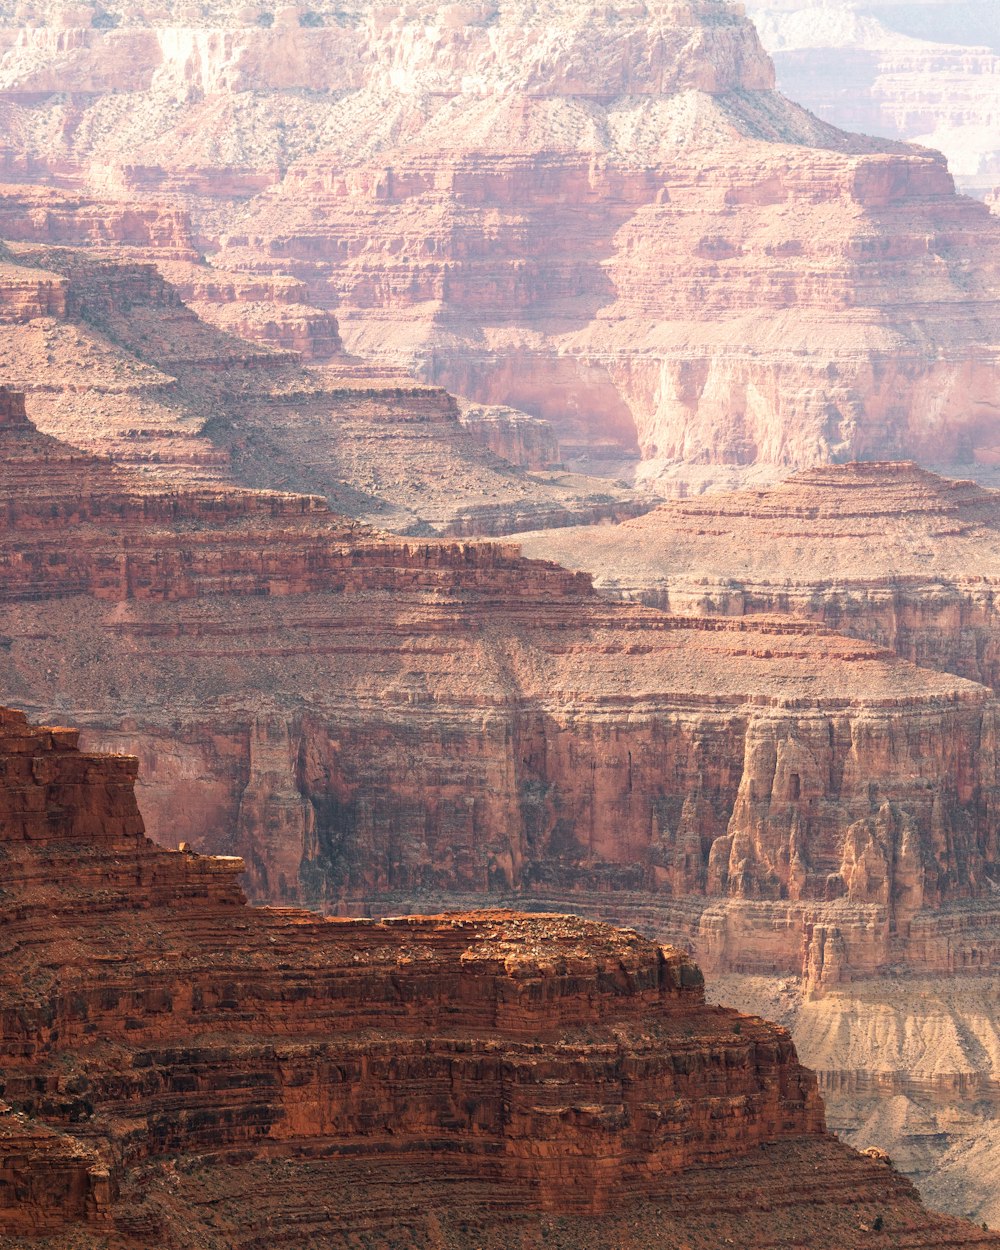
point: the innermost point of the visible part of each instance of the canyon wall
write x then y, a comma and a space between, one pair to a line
606, 217
114, 360
925, 71
374, 723
530, 1067
897, 555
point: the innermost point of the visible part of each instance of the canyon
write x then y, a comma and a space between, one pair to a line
377, 723
921, 70
603, 217
897, 555
182, 1070
273, 289
113, 359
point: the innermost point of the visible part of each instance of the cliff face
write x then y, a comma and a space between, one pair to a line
602, 216
925, 72
371, 722
554, 1065
115, 361
886, 552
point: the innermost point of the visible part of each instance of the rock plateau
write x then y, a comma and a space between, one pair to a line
886, 552
180, 1070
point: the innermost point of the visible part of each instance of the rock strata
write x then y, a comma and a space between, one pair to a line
886, 552
171, 1055
606, 217
116, 362
379, 723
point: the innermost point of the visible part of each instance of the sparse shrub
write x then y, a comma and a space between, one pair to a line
103, 20
309, 18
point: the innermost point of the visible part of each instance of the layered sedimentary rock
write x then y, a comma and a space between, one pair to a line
922, 70
531, 1068
382, 724
887, 552
116, 361
602, 216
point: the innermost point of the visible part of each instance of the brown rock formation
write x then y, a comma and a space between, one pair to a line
375, 723
885, 552
527, 1064
609, 219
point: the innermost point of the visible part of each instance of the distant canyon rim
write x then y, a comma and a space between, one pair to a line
358, 350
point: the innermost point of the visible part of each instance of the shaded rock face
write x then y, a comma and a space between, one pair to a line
925, 72
117, 362
558, 1065
886, 552
377, 723
603, 217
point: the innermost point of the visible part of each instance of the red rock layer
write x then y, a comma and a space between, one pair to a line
372, 722
152, 1027
885, 552
606, 218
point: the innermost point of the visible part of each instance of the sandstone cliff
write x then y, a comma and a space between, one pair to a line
377, 723
602, 216
177, 1066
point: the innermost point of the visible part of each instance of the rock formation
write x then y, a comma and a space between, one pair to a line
886, 552
922, 70
602, 216
116, 362
181, 1070
385, 724
895, 554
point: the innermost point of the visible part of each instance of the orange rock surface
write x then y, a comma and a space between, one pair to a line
386, 724
177, 1065
606, 217
886, 552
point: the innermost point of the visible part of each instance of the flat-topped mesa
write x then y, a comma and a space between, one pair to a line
887, 552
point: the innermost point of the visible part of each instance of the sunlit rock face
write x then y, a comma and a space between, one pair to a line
604, 216
180, 1069
921, 70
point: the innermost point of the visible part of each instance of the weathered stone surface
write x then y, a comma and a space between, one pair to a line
886, 552
602, 216
374, 722
116, 362
170, 1054
922, 70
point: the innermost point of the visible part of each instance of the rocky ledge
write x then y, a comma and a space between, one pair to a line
171, 1056
891, 553
384, 724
